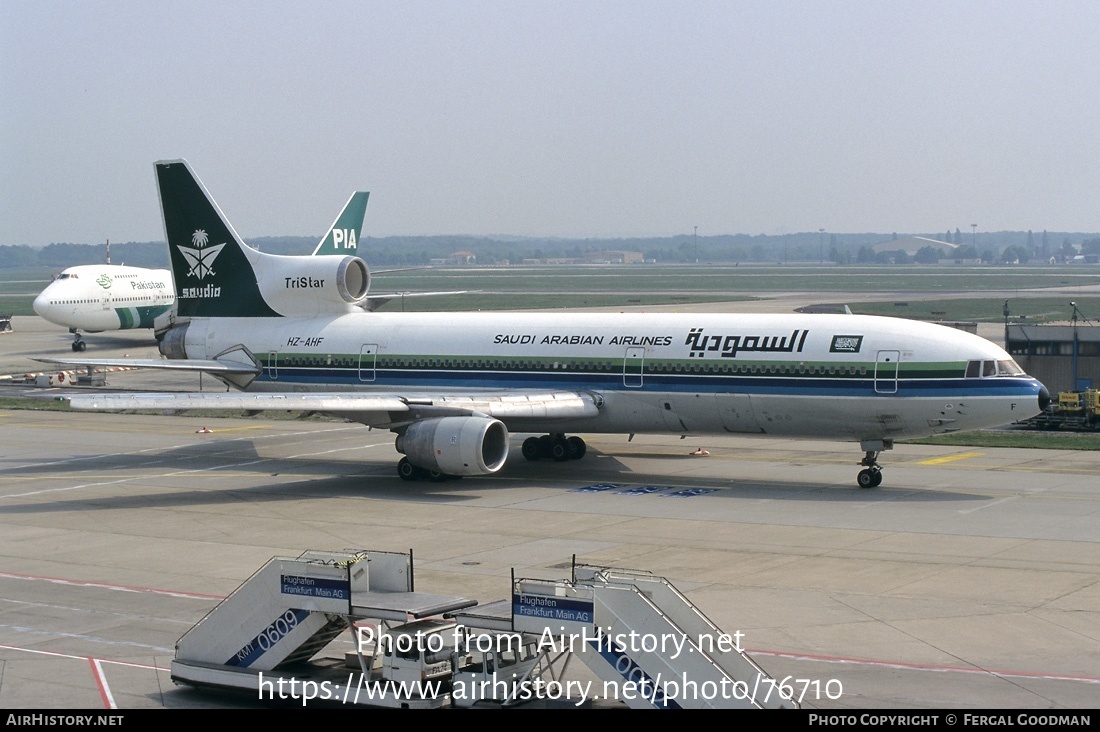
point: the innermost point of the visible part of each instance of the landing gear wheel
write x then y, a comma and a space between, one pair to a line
871, 475
531, 449
869, 478
577, 448
559, 449
79, 345
406, 470
437, 476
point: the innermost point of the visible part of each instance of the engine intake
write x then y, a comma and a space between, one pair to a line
456, 445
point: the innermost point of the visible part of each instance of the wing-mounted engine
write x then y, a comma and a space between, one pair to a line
454, 446
306, 286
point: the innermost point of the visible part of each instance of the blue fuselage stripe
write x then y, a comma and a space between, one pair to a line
686, 383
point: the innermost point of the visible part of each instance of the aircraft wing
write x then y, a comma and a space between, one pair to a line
518, 405
315, 402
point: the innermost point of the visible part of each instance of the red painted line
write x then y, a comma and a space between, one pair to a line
101, 682
96, 665
760, 652
83, 658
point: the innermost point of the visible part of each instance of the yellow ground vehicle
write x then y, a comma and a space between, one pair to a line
1073, 410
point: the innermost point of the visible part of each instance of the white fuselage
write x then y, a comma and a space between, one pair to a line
99, 297
841, 376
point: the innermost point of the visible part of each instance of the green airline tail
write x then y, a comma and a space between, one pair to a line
343, 237
213, 269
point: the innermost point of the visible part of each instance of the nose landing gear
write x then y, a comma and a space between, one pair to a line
871, 475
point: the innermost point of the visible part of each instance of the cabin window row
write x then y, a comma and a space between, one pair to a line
91, 302
616, 367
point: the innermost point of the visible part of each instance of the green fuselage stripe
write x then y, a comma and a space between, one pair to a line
545, 364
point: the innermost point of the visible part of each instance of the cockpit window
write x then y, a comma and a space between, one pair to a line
67, 276
1008, 367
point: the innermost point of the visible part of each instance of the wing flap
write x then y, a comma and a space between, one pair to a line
550, 405
553, 405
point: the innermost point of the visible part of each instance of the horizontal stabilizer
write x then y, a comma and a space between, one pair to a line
373, 302
209, 366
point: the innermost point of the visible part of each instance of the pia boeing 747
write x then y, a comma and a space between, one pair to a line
292, 333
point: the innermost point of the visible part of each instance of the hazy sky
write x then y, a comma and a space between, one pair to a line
552, 118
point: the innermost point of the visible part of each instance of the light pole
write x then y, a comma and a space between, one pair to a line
820, 246
974, 236
695, 238
1075, 345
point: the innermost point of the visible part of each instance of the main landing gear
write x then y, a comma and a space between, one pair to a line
554, 446
871, 475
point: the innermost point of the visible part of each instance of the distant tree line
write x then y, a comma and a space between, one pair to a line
409, 251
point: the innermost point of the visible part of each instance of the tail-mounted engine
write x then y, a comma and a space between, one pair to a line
307, 286
456, 445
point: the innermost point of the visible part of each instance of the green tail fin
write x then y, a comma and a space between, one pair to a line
343, 236
212, 268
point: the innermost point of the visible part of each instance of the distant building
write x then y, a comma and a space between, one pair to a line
613, 257
455, 258
1063, 357
913, 244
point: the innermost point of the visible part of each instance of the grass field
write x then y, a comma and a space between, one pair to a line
1035, 439
618, 285
18, 288
904, 290
508, 288
745, 280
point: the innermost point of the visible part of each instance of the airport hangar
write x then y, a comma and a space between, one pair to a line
1063, 357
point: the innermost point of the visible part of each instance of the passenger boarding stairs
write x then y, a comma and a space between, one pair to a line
292, 608
639, 633
261, 628
645, 640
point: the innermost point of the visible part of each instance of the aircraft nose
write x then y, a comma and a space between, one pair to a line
1044, 398
40, 304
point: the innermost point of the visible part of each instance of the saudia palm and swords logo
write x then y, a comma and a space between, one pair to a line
201, 260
